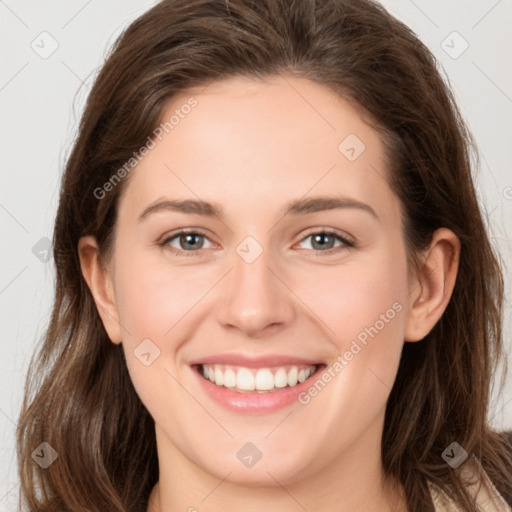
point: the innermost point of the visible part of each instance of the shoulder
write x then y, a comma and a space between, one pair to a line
485, 494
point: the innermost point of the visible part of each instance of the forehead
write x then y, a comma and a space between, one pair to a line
251, 143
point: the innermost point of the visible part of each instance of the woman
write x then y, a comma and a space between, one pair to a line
274, 284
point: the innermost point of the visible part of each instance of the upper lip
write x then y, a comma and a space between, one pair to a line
254, 361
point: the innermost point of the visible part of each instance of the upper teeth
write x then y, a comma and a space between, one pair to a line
263, 379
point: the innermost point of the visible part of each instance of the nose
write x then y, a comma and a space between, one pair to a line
255, 297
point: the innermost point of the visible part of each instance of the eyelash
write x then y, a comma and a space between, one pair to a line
347, 244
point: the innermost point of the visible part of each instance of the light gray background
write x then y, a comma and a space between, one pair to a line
41, 100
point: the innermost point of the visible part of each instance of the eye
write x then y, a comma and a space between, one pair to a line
324, 241
188, 241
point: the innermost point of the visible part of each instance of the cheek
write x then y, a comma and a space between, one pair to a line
363, 307
157, 301
151, 299
351, 298
152, 296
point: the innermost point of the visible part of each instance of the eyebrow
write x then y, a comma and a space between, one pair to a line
296, 207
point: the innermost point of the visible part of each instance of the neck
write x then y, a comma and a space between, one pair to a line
281, 499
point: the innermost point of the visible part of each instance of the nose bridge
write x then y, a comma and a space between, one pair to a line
254, 297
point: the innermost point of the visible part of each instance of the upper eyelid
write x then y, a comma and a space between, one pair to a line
172, 235
329, 231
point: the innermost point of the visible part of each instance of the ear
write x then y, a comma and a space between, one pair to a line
432, 285
100, 283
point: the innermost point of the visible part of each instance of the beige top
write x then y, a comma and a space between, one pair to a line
486, 495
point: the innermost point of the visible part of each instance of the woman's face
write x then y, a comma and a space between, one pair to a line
295, 263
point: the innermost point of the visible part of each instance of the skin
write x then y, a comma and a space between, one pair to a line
253, 146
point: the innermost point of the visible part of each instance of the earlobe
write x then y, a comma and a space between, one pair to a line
431, 290
99, 281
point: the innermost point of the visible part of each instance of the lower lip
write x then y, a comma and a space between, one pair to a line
255, 402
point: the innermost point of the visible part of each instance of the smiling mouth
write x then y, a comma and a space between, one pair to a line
257, 380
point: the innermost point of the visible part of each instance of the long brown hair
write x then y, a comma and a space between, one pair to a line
79, 397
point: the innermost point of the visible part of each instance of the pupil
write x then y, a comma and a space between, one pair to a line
320, 237
188, 239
